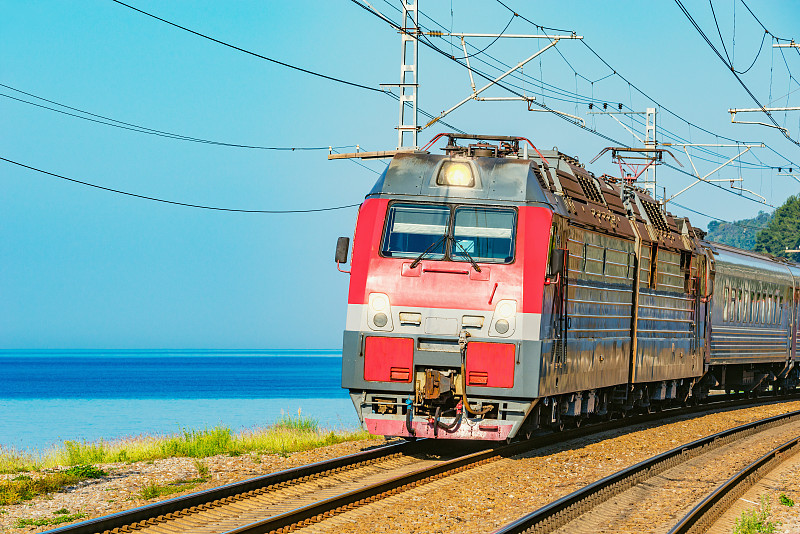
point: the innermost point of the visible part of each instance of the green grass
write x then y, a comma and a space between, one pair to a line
152, 490
288, 435
47, 521
755, 521
202, 468
785, 500
25, 488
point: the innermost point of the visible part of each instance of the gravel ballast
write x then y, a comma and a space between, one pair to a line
477, 500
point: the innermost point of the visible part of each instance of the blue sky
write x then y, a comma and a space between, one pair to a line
85, 268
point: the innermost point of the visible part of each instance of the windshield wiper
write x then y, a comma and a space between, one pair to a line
431, 246
472, 261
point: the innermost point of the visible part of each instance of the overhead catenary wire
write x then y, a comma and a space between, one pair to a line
569, 96
169, 134
574, 122
725, 49
250, 52
733, 71
108, 121
487, 47
352, 83
261, 56
660, 105
575, 97
735, 223
173, 202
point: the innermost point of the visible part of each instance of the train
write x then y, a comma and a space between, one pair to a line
496, 290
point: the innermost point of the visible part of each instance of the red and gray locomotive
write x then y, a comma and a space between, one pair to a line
496, 289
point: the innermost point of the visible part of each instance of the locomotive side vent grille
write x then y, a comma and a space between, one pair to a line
655, 215
538, 172
559, 351
590, 189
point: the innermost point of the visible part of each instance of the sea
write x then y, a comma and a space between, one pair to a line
51, 396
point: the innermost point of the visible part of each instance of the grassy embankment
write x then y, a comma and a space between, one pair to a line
290, 434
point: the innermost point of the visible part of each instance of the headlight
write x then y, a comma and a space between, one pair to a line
506, 309
456, 173
379, 316
379, 303
504, 319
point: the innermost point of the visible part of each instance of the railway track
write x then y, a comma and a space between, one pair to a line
645, 496
288, 500
705, 515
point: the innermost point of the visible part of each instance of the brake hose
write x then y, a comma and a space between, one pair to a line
462, 342
409, 415
452, 427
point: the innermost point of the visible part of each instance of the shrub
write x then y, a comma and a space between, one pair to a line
755, 521
86, 471
202, 469
25, 488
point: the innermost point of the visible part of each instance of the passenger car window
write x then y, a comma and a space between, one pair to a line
725, 306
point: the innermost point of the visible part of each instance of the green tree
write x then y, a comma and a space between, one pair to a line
740, 234
783, 231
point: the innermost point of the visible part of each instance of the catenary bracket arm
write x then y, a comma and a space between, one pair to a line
493, 82
704, 178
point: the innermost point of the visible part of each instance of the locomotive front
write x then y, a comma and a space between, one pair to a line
444, 308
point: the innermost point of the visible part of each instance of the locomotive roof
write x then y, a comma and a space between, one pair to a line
557, 181
496, 179
561, 183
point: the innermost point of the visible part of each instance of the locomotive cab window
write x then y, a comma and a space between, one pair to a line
441, 232
413, 229
487, 235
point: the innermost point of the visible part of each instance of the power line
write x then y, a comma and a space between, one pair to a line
143, 129
719, 32
735, 223
250, 52
661, 106
255, 54
540, 105
108, 121
484, 49
577, 98
154, 199
733, 71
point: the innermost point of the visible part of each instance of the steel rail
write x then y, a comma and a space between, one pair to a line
718, 501
171, 506
322, 509
560, 512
